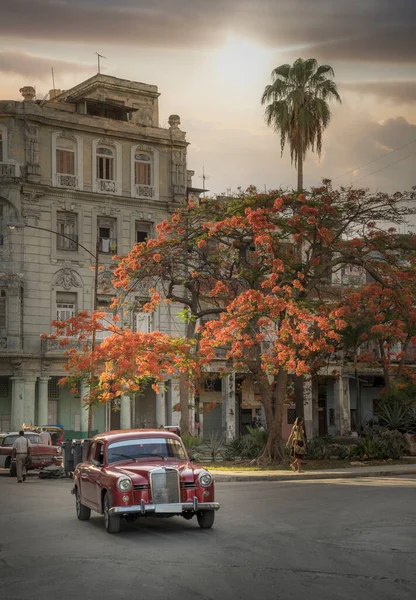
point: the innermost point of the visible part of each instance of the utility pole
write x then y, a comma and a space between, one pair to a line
204, 178
98, 59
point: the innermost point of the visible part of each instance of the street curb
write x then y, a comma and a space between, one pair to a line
219, 478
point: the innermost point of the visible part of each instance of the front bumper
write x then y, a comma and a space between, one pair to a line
176, 508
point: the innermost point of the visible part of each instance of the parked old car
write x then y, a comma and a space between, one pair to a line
41, 454
142, 472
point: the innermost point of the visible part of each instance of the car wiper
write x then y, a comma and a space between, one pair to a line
152, 455
125, 456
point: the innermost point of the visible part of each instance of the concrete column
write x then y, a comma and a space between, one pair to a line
125, 412
229, 407
17, 403
29, 399
342, 405
83, 415
43, 400
175, 399
308, 406
160, 408
192, 415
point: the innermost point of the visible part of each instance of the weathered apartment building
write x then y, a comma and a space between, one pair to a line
92, 164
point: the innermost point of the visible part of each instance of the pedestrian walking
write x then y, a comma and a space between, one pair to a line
46, 437
297, 445
21, 450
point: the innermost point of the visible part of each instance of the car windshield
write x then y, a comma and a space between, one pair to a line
145, 448
10, 439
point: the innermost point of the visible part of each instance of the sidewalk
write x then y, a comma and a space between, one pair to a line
348, 473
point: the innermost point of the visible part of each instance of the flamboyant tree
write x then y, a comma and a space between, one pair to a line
263, 263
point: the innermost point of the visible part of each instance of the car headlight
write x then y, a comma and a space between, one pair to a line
205, 479
124, 484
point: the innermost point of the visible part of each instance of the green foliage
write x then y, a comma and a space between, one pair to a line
214, 444
382, 444
246, 447
191, 442
397, 410
319, 448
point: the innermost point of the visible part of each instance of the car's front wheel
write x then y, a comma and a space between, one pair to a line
205, 518
83, 512
112, 522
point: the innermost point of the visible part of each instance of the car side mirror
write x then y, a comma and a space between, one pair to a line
192, 458
97, 463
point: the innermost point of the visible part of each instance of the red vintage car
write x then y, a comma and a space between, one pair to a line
142, 472
41, 454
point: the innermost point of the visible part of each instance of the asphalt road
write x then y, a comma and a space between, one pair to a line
311, 540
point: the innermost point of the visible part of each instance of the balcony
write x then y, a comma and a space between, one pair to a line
106, 186
144, 191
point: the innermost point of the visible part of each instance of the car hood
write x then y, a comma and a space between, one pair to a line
140, 470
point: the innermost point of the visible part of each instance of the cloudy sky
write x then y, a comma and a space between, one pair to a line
211, 60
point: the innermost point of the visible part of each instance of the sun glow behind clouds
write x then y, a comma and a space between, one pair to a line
240, 62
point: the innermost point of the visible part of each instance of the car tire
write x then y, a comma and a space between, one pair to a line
205, 518
12, 469
83, 512
112, 522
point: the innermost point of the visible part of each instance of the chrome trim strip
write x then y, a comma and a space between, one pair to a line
152, 508
195, 502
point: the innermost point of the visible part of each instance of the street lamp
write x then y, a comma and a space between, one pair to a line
19, 225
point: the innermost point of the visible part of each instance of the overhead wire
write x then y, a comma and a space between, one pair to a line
376, 159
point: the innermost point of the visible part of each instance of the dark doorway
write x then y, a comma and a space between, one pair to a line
114, 417
322, 423
246, 419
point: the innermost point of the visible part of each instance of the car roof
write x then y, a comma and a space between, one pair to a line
25, 433
126, 434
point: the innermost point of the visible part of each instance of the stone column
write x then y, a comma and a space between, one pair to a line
229, 407
308, 406
342, 405
83, 415
17, 403
160, 408
29, 399
42, 400
125, 412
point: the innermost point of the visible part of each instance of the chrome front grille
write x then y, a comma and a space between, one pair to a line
165, 486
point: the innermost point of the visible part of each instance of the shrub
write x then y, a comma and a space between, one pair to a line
247, 446
383, 444
319, 448
191, 442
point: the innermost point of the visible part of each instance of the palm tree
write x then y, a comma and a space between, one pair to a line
297, 107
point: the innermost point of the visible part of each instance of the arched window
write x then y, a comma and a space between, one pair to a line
67, 160
144, 172
142, 169
105, 163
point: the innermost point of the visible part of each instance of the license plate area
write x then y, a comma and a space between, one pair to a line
168, 508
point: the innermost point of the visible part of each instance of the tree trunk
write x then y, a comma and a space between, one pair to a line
184, 385
273, 402
300, 173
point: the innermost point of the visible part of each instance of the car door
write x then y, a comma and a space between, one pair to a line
95, 474
91, 475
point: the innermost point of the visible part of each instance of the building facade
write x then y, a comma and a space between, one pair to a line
89, 172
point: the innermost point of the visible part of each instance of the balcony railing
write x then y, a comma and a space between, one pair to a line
8, 170
67, 181
107, 186
55, 345
144, 191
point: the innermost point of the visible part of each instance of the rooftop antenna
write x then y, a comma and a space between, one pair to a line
204, 178
98, 58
